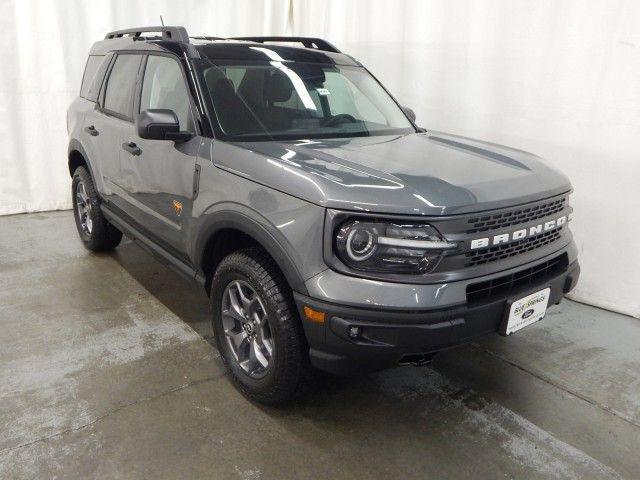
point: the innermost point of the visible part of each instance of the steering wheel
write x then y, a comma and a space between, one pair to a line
338, 119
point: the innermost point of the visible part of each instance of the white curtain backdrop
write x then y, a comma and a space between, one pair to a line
44, 50
559, 78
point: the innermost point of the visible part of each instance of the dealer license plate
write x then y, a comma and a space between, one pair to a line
527, 310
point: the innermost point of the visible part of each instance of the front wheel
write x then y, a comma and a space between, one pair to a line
257, 329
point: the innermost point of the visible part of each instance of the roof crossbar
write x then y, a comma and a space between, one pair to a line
308, 42
176, 34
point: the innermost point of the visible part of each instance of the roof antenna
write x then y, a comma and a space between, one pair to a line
161, 20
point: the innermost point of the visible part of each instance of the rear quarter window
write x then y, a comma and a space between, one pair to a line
89, 78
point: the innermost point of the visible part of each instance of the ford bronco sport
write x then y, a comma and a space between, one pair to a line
328, 230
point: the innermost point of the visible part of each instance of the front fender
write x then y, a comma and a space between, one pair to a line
238, 217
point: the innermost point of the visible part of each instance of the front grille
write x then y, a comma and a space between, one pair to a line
502, 286
516, 216
499, 252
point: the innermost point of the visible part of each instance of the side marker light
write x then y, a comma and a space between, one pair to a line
314, 315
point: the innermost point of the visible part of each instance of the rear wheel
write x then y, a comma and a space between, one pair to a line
257, 328
95, 231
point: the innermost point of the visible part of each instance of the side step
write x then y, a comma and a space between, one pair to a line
152, 248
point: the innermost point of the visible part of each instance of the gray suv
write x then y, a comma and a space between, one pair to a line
327, 228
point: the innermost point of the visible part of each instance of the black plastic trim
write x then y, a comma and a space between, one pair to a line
152, 247
386, 336
75, 145
230, 219
175, 34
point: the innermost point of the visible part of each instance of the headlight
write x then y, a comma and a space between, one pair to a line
390, 247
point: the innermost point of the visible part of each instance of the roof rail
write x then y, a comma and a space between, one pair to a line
308, 42
176, 34
206, 37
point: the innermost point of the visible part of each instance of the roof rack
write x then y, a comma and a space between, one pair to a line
177, 34
206, 37
308, 42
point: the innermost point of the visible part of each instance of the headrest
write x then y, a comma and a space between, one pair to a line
211, 76
252, 85
223, 89
310, 73
278, 87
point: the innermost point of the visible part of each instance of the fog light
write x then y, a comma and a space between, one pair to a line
354, 332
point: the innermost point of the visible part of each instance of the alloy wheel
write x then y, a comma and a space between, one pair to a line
246, 327
83, 207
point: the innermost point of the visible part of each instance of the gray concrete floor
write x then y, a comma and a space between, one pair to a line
107, 371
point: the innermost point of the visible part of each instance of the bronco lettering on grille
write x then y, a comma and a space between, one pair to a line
518, 234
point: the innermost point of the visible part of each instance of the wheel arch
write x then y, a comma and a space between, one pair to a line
228, 230
76, 157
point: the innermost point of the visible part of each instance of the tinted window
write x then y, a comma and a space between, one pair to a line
163, 87
90, 70
121, 84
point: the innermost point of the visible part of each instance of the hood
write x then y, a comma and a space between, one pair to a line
418, 174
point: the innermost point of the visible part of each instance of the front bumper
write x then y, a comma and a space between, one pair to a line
389, 335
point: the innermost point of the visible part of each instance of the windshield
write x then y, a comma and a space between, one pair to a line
293, 100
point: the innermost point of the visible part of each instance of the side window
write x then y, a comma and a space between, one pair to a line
163, 87
94, 87
88, 79
121, 83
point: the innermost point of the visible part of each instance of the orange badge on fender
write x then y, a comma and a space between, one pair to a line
177, 206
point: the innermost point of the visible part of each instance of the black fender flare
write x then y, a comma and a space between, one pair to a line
248, 221
75, 145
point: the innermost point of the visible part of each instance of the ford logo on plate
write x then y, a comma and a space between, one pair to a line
528, 313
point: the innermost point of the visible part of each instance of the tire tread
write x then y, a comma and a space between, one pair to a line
293, 365
104, 236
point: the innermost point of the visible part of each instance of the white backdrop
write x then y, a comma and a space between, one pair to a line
558, 78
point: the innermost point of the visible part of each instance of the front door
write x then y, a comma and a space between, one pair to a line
159, 176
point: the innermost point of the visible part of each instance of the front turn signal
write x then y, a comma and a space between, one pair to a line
314, 315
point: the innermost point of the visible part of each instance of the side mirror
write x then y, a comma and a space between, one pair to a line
409, 113
160, 124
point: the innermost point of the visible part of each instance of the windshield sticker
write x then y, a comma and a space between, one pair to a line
323, 91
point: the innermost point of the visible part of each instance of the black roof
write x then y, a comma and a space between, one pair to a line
252, 52
252, 49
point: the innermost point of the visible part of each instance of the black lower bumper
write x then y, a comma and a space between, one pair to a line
357, 340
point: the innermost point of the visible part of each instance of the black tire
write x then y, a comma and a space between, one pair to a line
289, 362
100, 236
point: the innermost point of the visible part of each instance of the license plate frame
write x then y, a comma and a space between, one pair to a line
523, 311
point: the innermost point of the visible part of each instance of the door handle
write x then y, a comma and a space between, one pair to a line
132, 148
91, 130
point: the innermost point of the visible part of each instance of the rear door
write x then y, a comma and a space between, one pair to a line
111, 120
94, 134
159, 177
